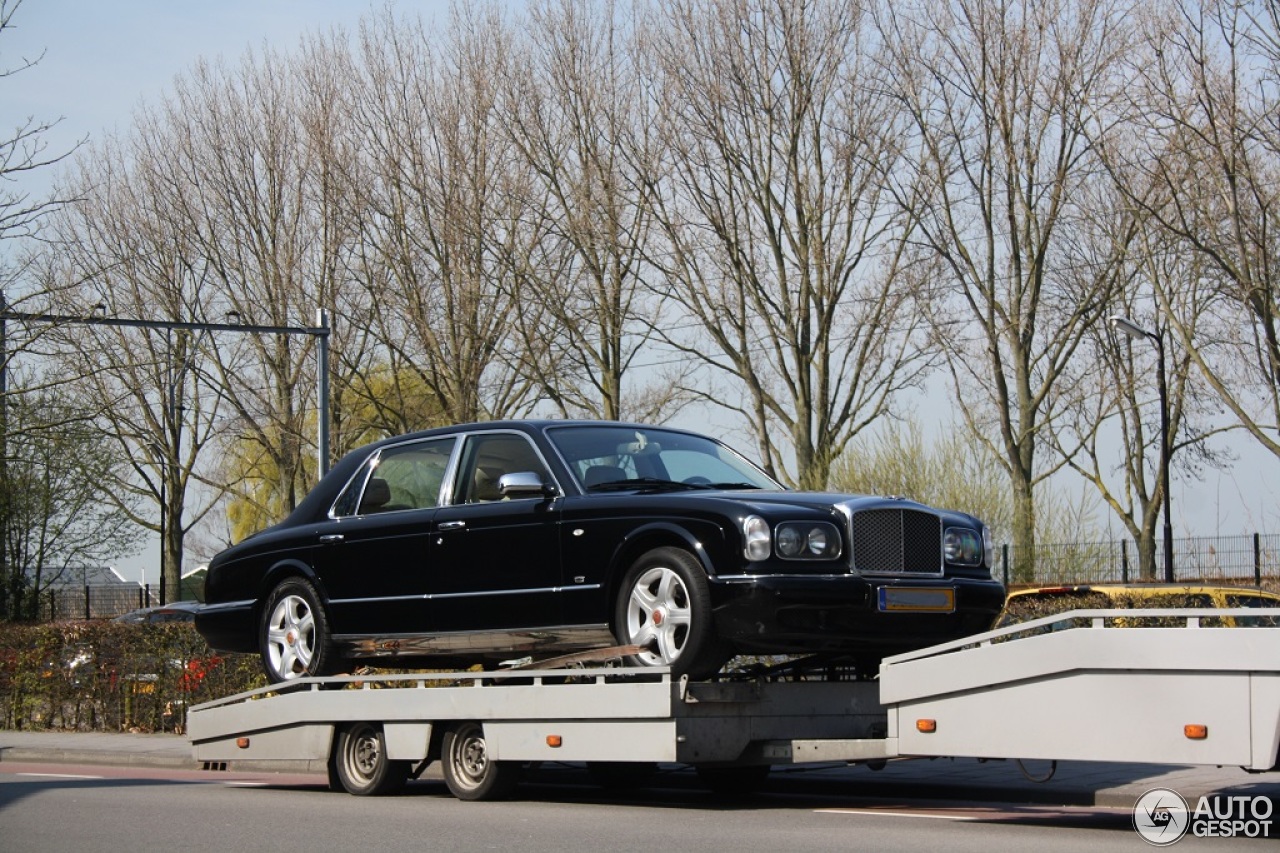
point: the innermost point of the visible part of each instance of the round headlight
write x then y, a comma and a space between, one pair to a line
951, 545
790, 542
818, 541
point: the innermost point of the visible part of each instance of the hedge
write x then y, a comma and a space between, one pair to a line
110, 676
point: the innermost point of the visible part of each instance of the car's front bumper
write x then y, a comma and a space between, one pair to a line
842, 613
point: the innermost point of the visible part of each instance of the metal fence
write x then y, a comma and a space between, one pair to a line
92, 601
1251, 558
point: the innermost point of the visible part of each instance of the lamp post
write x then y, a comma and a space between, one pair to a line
1127, 327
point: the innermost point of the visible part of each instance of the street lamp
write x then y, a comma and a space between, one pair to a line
1127, 327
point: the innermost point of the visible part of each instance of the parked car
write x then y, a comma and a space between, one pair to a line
174, 611
476, 543
1034, 602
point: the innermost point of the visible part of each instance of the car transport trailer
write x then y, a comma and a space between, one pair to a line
1155, 686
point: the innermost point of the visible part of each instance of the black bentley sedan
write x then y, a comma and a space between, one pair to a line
488, 541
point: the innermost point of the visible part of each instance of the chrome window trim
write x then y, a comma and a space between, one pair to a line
448, 488
370, 464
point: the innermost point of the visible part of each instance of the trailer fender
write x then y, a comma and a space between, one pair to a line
407, 741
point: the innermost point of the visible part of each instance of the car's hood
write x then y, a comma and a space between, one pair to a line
770, 503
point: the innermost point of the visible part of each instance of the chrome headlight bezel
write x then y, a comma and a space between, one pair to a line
807, 540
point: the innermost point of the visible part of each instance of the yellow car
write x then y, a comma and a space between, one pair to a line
1026, 604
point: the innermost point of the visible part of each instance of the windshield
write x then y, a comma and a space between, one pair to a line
605, 458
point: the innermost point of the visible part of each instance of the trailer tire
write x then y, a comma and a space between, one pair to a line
664, 606
468, 771
293, 633
360, 764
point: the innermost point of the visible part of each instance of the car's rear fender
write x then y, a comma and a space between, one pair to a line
283, 570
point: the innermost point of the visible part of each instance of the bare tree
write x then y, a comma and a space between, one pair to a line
1002, 95
443, 203
121, 253
784, 258
577, 112
1206, 167
255, 191
1117, 396
23, 151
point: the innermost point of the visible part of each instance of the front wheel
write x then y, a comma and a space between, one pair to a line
294, 633
664, 606
469, 772
360, 763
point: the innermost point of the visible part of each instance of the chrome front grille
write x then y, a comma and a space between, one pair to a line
896, 541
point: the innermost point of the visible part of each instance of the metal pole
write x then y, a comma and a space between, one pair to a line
322, 438
1164, 457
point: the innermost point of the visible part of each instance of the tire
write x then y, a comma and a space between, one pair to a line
293, 634
664, 605
468, 771
360, 765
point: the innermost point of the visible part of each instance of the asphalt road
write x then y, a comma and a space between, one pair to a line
66, 807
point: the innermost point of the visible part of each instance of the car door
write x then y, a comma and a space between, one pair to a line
495, 560
373, 556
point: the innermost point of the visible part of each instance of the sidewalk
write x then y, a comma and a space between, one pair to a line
1074, 782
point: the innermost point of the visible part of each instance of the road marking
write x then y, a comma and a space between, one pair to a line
898, 814
246, 784
58, 776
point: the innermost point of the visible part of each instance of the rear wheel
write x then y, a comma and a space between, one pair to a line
469, 772
293, 637
360, 763
664, 606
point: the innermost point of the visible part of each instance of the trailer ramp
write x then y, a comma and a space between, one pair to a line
1159, 686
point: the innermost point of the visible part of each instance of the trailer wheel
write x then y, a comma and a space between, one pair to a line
294, 633
360, 764
468, 771
734, 781
664, 606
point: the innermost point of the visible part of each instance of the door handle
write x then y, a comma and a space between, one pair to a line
330, 538
452, 525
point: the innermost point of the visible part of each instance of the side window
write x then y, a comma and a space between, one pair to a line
407, 476
487, 458
349, 500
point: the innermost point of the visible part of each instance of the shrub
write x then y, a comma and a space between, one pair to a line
109, 676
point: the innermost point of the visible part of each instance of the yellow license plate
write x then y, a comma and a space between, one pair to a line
914, 599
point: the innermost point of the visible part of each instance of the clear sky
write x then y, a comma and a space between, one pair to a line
105, 58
